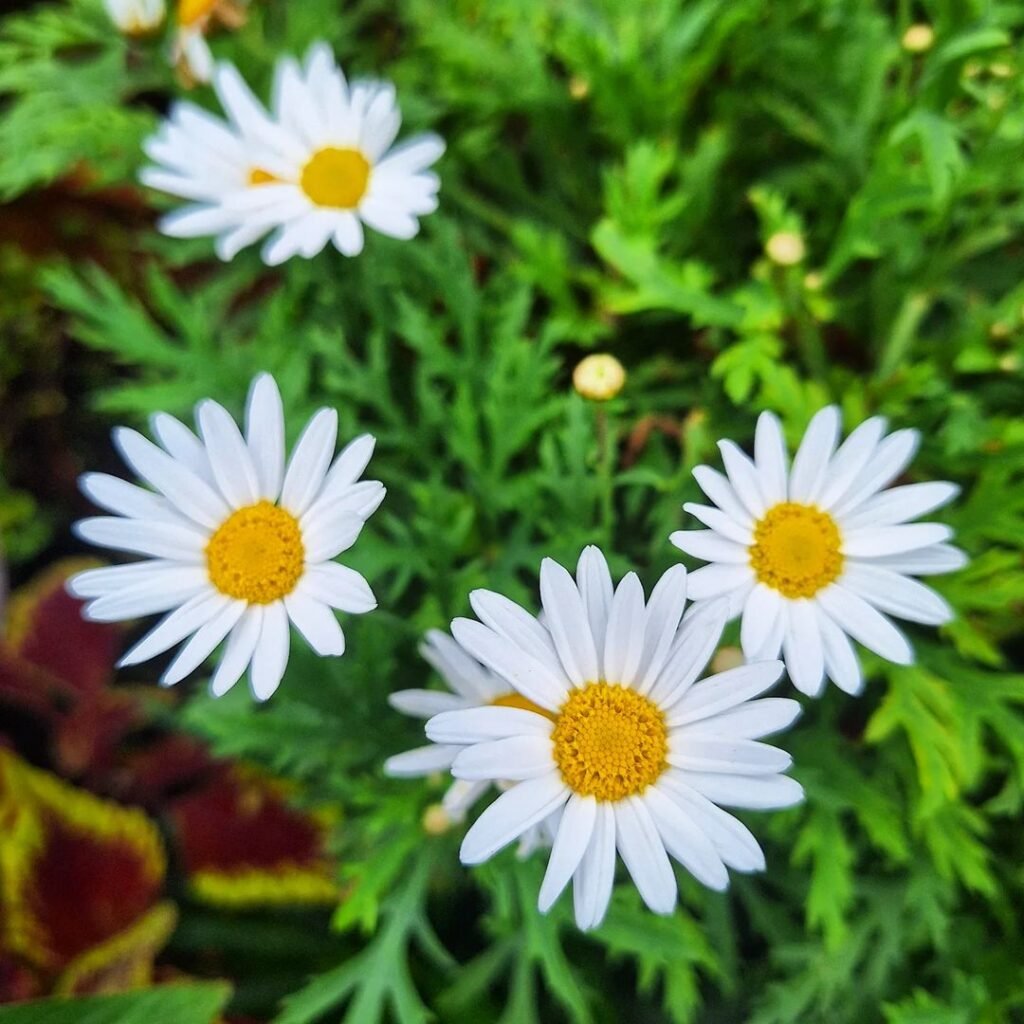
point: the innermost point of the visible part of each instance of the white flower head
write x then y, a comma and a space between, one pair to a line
623, 746
237, 543
136, 17
471, 685
823, 550
190, 52
314, 170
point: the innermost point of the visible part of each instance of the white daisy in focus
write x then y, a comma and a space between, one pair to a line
136, 17
312, 173
626, 748
238, 544
471, 685
821, 551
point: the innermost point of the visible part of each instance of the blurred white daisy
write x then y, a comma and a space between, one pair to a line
190, 52
471, 685
315, 171
136, 17
815, 553
625, 747
238, 543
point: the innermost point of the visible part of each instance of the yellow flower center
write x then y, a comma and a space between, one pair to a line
517, 700
336, 177
258, 176
609, 741
191, 11
796, 549
257, 554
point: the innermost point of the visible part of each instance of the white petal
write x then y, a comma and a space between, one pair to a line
460, 796
841, 662
731, 756
229, 456
896, 594
524, 805
348, 467
771, 458
316, 622
270, 658
264, 434
348, 234
749, 720
901, 504
514, 758
743, 477
174, 627
331, 534
889, 459
714, 580
595, 876
466, 676
732, 840
929, 561
527, 675
682, 837
808, 476
710, 546
850, 458
691, 651
866, 625
725, 690
763, 624
754, 792
414, 154
339, 587
643, 853
422, 761
479, 725
720, 491
424, 703
157, 591
721, 523
182, 445
183, 488
238, 651
664, 612
387, 218
624, 641
802, 649
125, 499
155, 539
595, 585
571, 841
516, 625
310, 460
876, 541
203, 642
110, 579
567, 621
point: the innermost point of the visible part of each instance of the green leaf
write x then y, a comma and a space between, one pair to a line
166, 1004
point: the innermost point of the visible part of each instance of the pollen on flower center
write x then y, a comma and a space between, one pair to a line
336, 177
796, 549
257, 554
609, 741
517, 700
191, 11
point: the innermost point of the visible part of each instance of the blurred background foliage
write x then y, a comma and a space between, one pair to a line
753, 206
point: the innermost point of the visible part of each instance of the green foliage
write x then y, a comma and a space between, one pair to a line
169, 1004
615, 176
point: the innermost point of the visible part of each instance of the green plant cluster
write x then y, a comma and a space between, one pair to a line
614, 176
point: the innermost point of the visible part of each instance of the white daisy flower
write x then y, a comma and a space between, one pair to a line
471, 685
624, 746
815, 553
191, 52
238, 545
136, 17
313, 173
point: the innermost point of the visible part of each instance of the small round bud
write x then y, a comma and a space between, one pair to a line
918, 38
726, 658
436, 820
785, 248
813, 281
579, 87
599, 377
